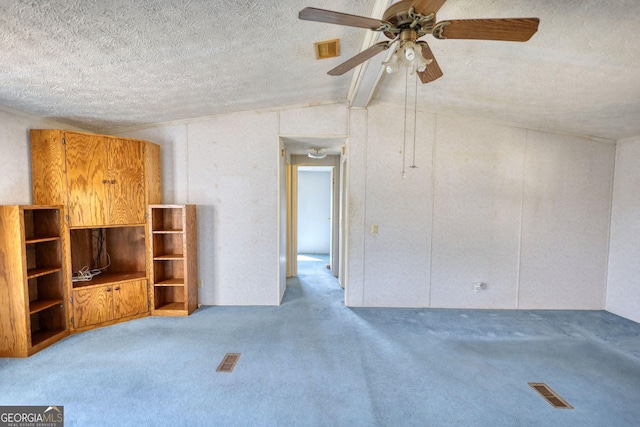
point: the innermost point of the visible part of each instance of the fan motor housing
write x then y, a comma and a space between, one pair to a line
398, 16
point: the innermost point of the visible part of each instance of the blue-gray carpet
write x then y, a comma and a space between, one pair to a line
314, 362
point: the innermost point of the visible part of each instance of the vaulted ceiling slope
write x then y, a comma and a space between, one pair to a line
105, 65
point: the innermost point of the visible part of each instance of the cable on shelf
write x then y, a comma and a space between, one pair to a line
85, 274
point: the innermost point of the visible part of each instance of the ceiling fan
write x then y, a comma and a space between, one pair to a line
408, 20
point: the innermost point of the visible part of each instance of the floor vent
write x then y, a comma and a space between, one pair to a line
228, 362
550, 396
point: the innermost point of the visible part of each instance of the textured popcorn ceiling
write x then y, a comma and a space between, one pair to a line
579, 74
104, 65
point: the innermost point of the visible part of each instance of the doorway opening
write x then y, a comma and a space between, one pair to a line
315, 202
318, 214
315, 218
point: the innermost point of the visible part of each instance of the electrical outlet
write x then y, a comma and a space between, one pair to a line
200, 284
374, 229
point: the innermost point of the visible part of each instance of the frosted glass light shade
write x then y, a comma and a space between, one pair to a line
316, 153
408, 55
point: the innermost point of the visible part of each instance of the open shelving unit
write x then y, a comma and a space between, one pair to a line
34, 248
117, 288
173, 259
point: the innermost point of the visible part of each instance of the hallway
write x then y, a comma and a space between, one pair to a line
313, 265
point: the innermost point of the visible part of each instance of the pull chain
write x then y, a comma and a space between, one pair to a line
415, 120
404, 135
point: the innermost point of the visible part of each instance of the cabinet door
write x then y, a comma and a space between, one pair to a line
48, 169
130, 298
87, 179
92, 306
126, 176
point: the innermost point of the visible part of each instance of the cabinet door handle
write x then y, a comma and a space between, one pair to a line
108, 289
113, 181
118, 288
104, 181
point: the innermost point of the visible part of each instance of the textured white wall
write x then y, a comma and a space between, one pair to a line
356, 208
476, 220
315, 121
623, 291
565, 225
481, 193
230, 166
397, 257
232, 172
525, 212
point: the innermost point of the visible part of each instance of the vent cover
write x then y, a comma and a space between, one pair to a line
550, 396
328, 49
228, 362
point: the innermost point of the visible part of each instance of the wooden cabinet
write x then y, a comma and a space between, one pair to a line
105, 178
109, 275
106, 184
107, 303
173, 255
102, 180
34, 263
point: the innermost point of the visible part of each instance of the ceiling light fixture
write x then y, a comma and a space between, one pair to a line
316, 153
408, 54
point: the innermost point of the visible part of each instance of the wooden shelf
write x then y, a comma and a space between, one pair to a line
43, 335
84, 227
106, 278
37, 272
172, 309
170, 282
173, 306
173, 254
34, 240
43, 304
33, 280
168, 257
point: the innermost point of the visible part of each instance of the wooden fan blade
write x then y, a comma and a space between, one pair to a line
425, 7
331, 17
509, 29
359, 58
432, 71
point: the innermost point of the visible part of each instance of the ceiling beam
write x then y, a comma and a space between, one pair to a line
367, 76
